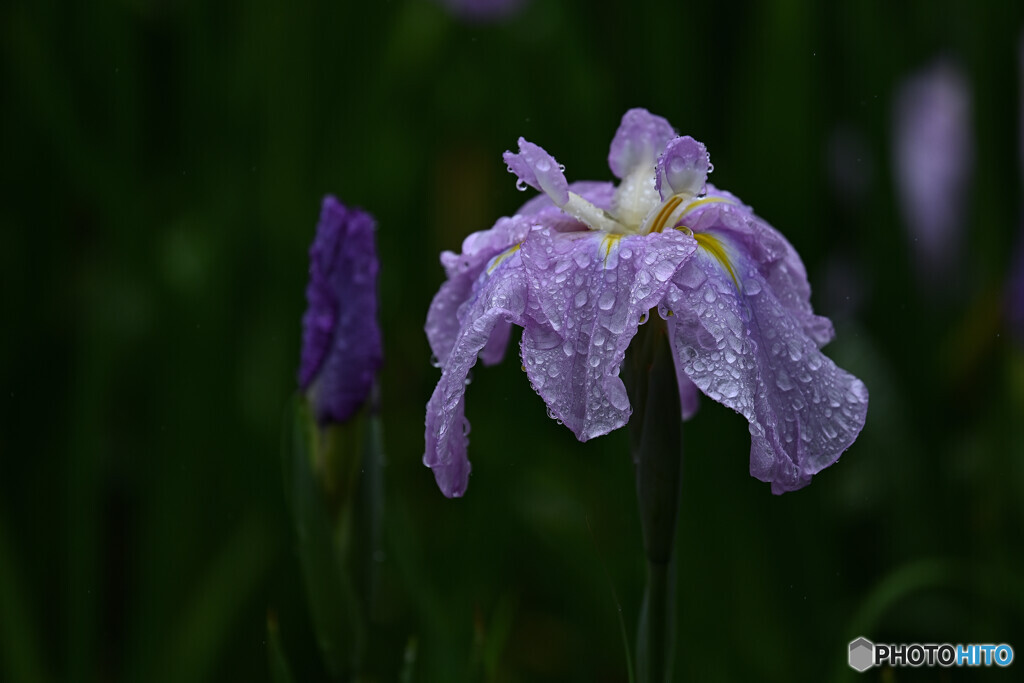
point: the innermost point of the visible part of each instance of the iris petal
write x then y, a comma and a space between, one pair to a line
748, 350
464, 270
682, 169
502, 299
641, 137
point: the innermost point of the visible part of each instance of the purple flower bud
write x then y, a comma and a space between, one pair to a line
341, 342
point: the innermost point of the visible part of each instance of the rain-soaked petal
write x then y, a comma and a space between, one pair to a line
588, 293
742, 346
683, 168
641, 137
341, 343
479, 250
770, 252
502, 299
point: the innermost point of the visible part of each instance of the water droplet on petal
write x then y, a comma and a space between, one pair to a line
752, 287
434, 361
643, 318
607, 300
581, 298
709, 295
520, 185
664, 270
617, 395
729, 389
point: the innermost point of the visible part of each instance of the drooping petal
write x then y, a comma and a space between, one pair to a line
769, 251
734, 337
689, 394
641, 137
588, 292
463, 270
539, 170
341, 343
502, 299
683, 168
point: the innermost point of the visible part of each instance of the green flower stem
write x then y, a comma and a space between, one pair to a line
656, 445
321, 470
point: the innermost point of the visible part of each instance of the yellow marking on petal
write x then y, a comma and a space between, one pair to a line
707, 200
607, 242
713, 246
666, 210
500, 258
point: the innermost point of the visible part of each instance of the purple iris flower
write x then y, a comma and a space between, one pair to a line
580, 267
482, 11
1014, 305
341, 344
934, 159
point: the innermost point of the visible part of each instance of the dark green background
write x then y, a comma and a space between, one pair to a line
162, 171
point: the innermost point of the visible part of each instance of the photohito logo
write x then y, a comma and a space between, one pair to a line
864, 654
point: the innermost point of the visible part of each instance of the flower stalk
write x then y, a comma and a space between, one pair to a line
655, 431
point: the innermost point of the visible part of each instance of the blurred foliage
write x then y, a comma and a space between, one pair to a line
164, 164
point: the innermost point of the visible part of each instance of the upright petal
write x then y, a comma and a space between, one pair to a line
733, 336
341, 343
641, 137
502, 299
588, 292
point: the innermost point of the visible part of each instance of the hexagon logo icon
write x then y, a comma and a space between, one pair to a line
862, 654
